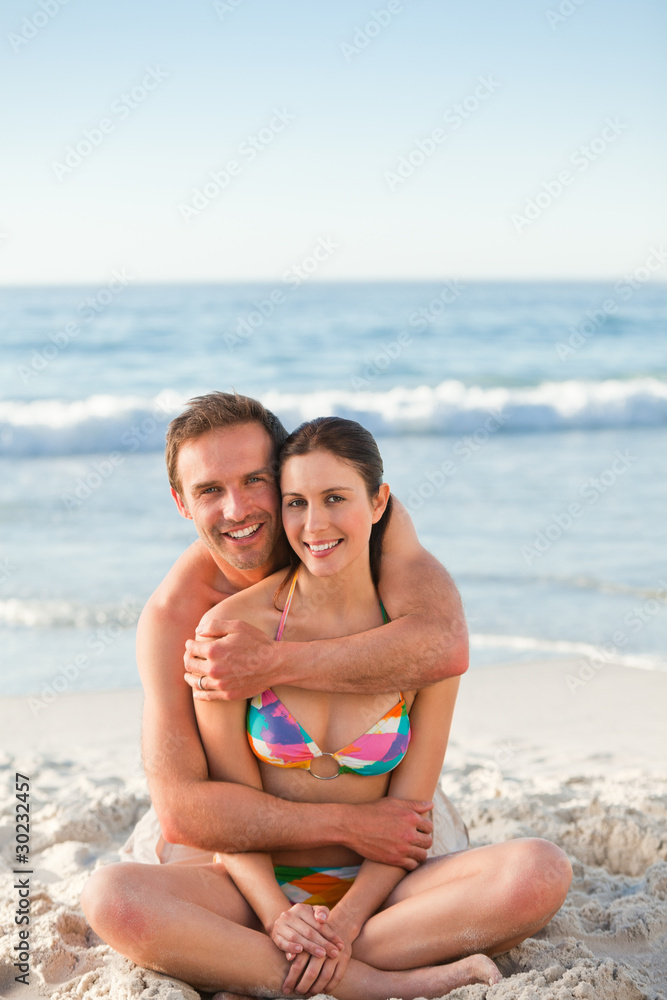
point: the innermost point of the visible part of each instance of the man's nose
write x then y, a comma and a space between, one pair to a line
236, 506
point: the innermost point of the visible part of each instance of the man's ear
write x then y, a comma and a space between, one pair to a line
182, 509
380, 501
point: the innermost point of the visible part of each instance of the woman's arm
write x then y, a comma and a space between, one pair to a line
222, 728
417, 775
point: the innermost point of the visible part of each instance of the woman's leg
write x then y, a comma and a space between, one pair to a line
192, 923
177, 919
487, 899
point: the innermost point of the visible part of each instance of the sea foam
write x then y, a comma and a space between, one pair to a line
134, 423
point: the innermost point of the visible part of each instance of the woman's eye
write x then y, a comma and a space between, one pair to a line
335, 498
295, 503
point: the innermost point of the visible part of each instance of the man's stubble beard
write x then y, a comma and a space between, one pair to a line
243, 559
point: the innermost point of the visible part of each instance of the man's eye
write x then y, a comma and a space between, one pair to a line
211, 489
255, 479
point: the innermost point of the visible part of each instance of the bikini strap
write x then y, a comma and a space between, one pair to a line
287, 606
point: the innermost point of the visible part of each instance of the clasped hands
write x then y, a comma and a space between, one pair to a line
317, 944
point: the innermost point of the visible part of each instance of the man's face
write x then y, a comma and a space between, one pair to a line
229, 491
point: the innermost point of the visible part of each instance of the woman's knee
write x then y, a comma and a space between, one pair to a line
541, 875
112, 904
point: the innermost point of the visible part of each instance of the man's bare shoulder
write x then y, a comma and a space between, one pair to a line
194, 583
192, 586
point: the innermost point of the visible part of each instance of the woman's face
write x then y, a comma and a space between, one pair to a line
327, 513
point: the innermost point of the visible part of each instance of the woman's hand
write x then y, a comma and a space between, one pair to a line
310, 974
304, 929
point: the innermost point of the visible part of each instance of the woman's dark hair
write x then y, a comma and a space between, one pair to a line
349, 441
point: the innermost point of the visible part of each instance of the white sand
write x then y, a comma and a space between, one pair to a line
587, 769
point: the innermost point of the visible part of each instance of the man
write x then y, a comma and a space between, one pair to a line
186, 918
221, 457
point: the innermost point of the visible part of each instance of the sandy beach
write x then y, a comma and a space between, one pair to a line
536, 750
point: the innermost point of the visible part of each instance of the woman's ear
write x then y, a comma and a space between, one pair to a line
380, 501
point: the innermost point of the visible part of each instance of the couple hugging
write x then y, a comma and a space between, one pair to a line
290, 852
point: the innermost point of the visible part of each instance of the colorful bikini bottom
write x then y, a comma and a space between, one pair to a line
325, 886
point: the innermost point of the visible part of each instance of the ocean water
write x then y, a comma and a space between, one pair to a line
523, 425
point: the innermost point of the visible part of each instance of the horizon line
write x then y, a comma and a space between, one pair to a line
191, 282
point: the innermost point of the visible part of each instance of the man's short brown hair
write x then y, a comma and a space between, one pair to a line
218, 409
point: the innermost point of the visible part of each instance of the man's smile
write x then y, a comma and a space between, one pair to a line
247, 532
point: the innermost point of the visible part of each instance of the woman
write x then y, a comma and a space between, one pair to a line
386, 931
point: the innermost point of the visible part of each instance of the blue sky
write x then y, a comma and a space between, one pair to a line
335, 95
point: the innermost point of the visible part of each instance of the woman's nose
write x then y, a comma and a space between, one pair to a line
316, 518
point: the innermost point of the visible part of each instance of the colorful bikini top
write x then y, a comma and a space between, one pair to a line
277, 738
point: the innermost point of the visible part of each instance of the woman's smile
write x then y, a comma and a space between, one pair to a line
320, 549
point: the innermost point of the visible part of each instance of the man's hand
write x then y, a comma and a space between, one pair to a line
392, 831
235, 660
